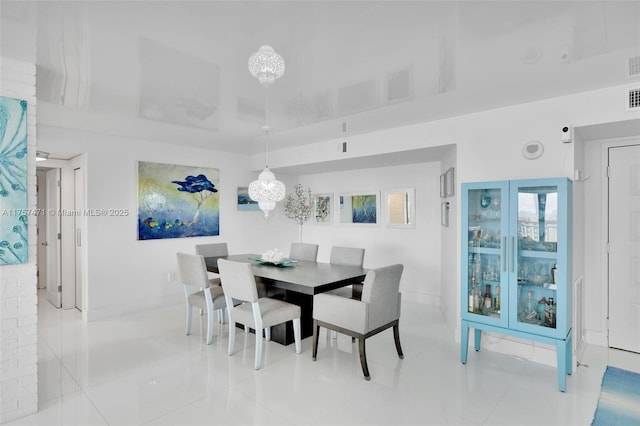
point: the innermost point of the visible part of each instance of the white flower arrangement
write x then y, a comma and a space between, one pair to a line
272, 255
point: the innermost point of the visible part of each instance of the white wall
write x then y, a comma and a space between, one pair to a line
124, 274
489, 147
449, 244
18, 283
417, 248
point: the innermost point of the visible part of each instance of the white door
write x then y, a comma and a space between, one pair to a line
42, 227
53, 238
624, 248
78, 205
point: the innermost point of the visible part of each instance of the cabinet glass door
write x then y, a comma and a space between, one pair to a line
486, 222
536, 256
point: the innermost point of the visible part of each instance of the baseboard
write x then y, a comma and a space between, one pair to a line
519, 348
101, 313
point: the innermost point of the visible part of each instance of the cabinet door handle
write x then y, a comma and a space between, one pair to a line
513, 247
504, 254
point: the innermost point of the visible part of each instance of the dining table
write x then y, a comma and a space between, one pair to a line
294, 282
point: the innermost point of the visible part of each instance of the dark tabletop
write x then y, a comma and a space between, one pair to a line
304, 276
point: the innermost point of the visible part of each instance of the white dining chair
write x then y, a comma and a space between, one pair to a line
211, 250
198, 290
349, 256
303, 251
259, 313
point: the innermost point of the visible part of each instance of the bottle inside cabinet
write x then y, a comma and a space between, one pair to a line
484, 284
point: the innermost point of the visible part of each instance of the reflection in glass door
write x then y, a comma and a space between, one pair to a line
537, 247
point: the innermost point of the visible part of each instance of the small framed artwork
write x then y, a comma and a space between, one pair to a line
359, 207
323, 209
245, 203
399, 208
447, 183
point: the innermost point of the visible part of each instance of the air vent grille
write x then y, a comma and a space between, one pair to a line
633, 68
633, 99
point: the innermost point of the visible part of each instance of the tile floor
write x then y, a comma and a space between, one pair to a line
142, 369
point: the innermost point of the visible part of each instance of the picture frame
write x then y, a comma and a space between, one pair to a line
447, 183
399, 207
359, 208
14, 233
176, 201
323, 209
245, 203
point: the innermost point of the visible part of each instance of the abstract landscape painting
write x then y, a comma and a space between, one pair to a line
245, 203
13, 181
177, 201
364, 208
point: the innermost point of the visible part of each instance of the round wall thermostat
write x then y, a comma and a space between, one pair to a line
532, 150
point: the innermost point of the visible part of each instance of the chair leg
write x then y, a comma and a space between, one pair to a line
221, 316
209, 327
267, 334
334, 334
232, 336
296, 334
314, 345
363, 359
396, 336
259, 345
189, 311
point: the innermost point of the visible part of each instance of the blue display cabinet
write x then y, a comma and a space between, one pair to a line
516, 264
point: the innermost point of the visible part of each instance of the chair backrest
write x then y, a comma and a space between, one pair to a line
193, 270
212, 249
303, 251
238, 280
381, 290
349, 256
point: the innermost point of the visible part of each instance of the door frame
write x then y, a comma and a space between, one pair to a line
605, 146
68, 242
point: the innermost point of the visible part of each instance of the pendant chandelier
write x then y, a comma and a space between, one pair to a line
266, 65
267, 191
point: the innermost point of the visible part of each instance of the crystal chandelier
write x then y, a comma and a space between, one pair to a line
266, 65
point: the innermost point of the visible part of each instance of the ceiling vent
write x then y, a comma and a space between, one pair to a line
633, 99
633, 66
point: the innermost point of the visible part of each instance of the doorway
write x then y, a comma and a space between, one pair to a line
624, 247
61, 252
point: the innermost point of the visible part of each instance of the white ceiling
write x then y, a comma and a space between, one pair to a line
176, 71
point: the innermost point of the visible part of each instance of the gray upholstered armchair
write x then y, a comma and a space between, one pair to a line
378, 310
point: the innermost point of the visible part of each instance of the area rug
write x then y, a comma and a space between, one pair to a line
619, 402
